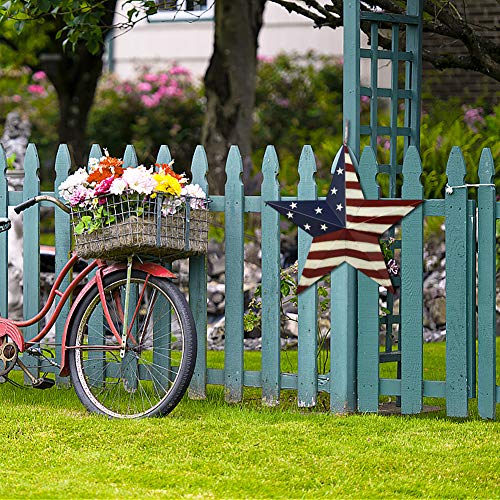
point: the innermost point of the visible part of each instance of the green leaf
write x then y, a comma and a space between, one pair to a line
79, 228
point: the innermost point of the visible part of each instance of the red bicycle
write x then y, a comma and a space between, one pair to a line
129, 341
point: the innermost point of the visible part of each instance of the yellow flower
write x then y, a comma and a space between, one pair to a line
167, 184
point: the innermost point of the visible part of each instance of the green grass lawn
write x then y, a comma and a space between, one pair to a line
208, 449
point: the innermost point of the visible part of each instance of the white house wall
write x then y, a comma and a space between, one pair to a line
189, 44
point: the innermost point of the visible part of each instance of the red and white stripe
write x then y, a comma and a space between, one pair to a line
357, 244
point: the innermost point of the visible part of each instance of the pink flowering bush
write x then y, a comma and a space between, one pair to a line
157, 107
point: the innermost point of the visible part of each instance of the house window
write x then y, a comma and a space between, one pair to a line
183, 10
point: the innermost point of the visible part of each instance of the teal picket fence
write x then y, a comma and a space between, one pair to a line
470, 229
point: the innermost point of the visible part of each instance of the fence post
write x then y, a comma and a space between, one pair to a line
486, 300
344, 332
4, 255
411, 309
198, 289
270, 223
234, 245
456, 286
307, 377
62, 242
368, 314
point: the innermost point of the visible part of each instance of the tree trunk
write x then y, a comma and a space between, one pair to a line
230, 86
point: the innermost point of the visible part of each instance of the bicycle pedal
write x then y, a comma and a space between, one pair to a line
43, 383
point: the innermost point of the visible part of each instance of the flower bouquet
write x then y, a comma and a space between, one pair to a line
117, 211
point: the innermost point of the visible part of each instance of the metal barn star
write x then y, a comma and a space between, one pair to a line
345, 226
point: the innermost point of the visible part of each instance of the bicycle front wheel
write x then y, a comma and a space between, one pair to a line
152, 374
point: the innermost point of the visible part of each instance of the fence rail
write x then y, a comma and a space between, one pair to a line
362, 379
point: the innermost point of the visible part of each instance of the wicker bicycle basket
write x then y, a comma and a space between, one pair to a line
132, 226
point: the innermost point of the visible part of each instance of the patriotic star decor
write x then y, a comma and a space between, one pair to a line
345, 226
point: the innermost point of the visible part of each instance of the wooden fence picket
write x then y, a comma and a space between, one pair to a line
368, 312
270, 224
31, 246
234, 247
411, 288
62, 240
307, 377
486, 397
456, 285
198, 288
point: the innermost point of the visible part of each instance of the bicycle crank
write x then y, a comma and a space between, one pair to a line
36, 383
8, 355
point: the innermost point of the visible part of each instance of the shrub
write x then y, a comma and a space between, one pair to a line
156, 108
298, 101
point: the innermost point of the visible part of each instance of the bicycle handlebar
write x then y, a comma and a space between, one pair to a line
37, 199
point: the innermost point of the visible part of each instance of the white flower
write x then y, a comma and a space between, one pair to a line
140, 179
78, 179
171, 206
195, 194
93, 163
118, 186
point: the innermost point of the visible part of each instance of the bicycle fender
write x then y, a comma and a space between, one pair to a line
152, 268
8, 328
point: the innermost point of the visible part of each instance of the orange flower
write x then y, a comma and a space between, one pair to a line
108, 166
99, 174
166, 170
110, 161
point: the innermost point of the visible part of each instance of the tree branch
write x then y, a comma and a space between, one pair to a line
442, 18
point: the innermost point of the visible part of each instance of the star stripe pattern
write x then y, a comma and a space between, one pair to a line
345, 226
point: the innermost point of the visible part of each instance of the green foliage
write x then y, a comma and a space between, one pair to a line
79, 21
445, 125
298, 101
96, 219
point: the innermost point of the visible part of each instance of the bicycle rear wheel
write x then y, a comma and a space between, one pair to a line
160, 355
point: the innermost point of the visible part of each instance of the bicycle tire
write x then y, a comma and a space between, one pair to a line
157, 367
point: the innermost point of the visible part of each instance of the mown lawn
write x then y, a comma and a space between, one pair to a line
208, 449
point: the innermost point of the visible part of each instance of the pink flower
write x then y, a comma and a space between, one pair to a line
473, 116
150, 101
365, 99
39, 75
163, 78
144, 87
179, 70
127, 88
80, 195
17, 98
103, 186
151, 77
265, 59
36, 89
139, 179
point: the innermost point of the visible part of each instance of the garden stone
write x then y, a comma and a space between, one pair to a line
15, 139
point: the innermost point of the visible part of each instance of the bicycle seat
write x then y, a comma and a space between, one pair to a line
4, 224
